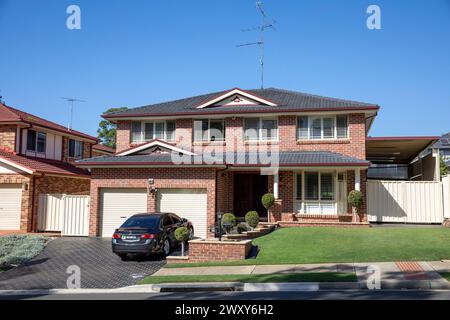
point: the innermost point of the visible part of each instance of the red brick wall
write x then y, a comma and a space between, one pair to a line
193, 178
201, 251
25, 218
53, 184
355, 146
8, 137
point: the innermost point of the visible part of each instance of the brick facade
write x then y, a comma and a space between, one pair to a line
87, 150
8, 137
190, 178
203, 251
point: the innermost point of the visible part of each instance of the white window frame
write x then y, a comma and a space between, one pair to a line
154, 122
208, 130
322, 117
300, 205
260, 135
75, 149
36, 142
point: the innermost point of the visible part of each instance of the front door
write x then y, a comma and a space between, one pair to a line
248, 190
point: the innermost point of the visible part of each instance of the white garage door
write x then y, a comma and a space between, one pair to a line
118, 205
10, 206
186, 203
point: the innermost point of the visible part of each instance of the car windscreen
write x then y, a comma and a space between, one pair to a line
148, 222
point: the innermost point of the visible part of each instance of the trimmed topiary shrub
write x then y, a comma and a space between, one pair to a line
229, 218
182, 235
268, 200
355, 199
252, 218
241, 227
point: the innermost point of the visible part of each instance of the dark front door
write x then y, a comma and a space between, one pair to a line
248, 190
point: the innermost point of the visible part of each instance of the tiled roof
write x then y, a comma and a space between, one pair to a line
10, 114
301, 158
287, 101
103, 148
43, 165
444, 142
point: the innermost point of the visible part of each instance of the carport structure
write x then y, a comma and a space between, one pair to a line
403, 184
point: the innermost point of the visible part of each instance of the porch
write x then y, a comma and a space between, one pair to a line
306, 195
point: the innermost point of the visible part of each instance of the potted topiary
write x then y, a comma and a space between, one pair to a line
355, 199
182, 235
252, 219
228, 222
268, 200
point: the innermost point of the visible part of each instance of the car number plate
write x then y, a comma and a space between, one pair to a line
125, 237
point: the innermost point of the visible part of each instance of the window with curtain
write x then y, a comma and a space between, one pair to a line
311, 186
142, 131
260, 129
326, 127
75, 149
316, 186
209, 130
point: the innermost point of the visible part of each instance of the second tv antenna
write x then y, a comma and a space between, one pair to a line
71, 101
266, 22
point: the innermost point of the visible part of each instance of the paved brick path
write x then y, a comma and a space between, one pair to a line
100, 268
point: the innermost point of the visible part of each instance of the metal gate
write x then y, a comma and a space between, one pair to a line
405, 201
68, 214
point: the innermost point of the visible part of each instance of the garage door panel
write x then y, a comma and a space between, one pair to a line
117, 205
10, 206
186, 203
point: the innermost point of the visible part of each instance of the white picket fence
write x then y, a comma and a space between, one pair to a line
405, 201
68, 214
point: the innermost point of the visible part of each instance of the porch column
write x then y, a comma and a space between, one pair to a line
357, 179
276, 179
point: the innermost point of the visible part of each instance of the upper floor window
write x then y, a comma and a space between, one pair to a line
209, 130
323, 127
142, 131
36, 141
75, 149
261, 129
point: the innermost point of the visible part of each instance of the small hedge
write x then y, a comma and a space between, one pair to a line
252, 218
355, 198
241, 227
182, 234
17, 249
229, 218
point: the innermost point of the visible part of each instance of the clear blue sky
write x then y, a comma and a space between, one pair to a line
131, 53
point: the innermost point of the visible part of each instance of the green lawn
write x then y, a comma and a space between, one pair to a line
446, 275
322, 245
287, 277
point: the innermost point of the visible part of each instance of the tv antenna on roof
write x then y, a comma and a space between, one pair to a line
266, 22
71, 101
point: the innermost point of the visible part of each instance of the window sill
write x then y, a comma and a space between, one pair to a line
209, 143
331, 141
261, 142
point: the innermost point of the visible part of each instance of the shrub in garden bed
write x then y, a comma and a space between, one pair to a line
252, 218
18, 249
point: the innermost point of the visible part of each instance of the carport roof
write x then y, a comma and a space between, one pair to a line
285, 159
396, 150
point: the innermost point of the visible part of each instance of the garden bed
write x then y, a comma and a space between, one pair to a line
17, 249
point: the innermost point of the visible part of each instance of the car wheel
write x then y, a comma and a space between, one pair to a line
166, 247
123, 257
191, 233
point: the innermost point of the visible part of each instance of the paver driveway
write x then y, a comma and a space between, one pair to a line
100, 268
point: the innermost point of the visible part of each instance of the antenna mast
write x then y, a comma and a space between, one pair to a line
71, 101
266, 22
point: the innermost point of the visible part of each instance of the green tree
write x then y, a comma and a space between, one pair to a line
443, 166
106, 131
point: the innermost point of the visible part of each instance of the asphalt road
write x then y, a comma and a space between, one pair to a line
279, 295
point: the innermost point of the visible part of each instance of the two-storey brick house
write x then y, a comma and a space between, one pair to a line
36, 157
221, 152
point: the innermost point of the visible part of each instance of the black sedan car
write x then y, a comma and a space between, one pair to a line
146, 233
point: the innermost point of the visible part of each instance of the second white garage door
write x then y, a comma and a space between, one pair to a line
186, 203
10, 206
117, 205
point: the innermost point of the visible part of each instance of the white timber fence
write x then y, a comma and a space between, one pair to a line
68, 214
405, 201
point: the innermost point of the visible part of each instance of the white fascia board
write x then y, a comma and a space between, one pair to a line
233, 92
155, 143
17, 166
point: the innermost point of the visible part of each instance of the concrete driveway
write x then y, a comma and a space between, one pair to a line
99, 267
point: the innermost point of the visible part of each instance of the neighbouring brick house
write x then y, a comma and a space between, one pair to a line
102, 150
221, 152
36, 157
